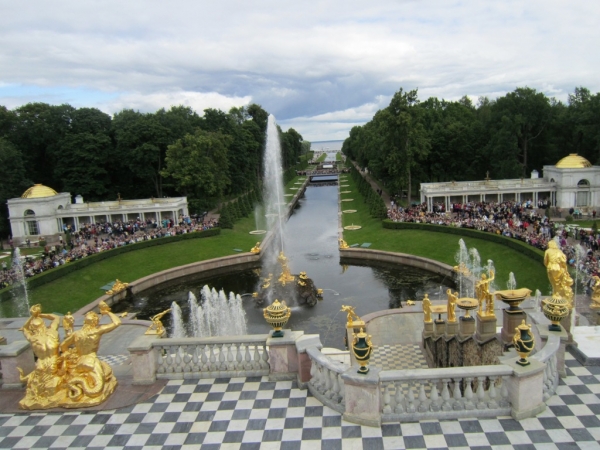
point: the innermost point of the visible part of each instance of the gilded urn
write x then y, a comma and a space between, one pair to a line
555, 308
362, 348
277, 315
524, 342
513, 298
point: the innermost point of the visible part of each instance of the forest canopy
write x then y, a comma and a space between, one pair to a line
172, 152
413, 141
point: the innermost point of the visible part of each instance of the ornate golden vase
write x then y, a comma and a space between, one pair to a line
524, 342
277, 315
555, 308
362, 348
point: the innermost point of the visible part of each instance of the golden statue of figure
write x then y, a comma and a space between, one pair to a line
45, 382
343, 243
462, 269
88, 380
353, 319
286, 276
117, 287
68, 322
256, 248
558, 274
267, 281
483, 294
595, 292
427, 309
451, 308
157, 328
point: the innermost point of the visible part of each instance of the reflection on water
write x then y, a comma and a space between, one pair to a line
312, 246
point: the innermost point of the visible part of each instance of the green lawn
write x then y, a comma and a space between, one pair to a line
439, 246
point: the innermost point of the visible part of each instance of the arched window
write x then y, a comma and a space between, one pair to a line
60, 206
31, 225
583, 192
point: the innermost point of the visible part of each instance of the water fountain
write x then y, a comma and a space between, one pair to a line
214, 315
512, 281
19, 289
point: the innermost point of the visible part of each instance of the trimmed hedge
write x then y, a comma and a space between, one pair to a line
520, 246
60, 271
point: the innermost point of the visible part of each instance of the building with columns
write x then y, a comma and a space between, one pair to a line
573, 182
41, 211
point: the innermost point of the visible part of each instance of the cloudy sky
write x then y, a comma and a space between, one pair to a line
320, 67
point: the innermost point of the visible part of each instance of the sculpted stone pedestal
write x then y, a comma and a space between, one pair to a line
466, 327
427, 329
283, 355
560, 355
439, 327
511, 320
451, 329
486, 327
13, 355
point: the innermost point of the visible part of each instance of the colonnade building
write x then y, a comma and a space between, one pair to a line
41, 211
573, 182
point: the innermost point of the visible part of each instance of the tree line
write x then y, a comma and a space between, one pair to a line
174, 152
410, 142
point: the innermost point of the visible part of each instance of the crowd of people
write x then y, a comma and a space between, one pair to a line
512, 219
99, 237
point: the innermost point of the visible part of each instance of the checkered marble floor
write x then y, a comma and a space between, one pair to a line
396, 357
253, 413
114, 360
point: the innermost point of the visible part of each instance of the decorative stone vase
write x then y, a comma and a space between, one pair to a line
362, 348
513, 298
277, 315
555, 308
524, 342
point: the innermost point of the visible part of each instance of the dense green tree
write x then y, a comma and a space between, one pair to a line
198, 164
14, 180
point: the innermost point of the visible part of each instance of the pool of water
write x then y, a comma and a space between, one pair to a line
311, 245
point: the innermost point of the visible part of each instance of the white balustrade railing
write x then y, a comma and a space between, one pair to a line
212, 357
479, 391
548, 354
326, 379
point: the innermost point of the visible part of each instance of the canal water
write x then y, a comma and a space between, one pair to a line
312, 246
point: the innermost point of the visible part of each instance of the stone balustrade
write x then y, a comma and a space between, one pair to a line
549, 355
326, 382
213, 357
447, 393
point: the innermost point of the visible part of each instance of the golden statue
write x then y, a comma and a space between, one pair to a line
44, 387
558, 274
256, 248
353, 319
68, 322
595, 292
462, 269
343, 243
88, 380
157, 328
451, 311
117, 287
427, 309
286, 276
302, 277
267, 281
483, 294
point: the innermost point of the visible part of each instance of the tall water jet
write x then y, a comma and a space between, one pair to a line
194, 322
512, 281
19, 289
462, 269
538, 300
475, 262
273, 194
178, 327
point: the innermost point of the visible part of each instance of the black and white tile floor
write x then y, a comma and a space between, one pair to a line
253, 413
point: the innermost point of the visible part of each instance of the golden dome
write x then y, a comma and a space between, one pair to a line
39, 191
573, 161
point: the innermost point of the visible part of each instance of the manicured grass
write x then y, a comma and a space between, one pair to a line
439, 246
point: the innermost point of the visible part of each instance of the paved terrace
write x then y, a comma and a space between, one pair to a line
255, 413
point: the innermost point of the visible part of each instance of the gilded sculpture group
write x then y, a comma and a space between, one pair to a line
67, 374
